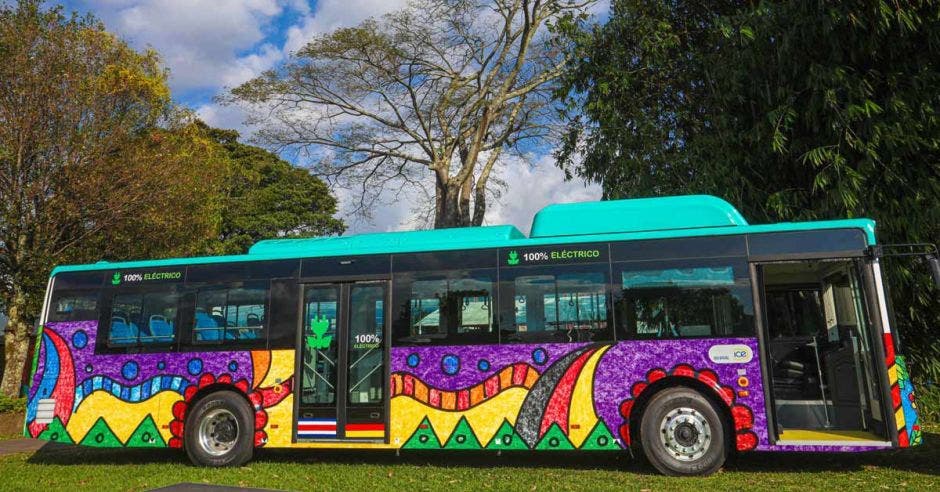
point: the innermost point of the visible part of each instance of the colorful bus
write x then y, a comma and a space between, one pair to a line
666, 325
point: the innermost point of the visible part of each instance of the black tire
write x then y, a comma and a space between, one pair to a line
219, 430
683, 434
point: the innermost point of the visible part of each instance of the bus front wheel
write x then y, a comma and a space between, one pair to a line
219, 430
682, 433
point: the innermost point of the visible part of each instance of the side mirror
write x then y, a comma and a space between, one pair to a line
934, 269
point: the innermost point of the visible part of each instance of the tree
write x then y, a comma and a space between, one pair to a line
266, 197
443, 87
790, 110
94, 162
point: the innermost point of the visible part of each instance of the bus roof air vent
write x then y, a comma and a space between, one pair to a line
635, 215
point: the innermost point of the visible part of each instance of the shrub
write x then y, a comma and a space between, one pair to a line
8, 404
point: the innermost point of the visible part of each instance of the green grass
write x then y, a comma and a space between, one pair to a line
60, 467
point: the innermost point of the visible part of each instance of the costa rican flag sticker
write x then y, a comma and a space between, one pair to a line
316, 428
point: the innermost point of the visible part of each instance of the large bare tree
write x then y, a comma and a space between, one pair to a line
444, 88
89, 167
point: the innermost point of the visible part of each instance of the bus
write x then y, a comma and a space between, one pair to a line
665, 326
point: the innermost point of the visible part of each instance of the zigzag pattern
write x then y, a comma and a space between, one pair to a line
516, 375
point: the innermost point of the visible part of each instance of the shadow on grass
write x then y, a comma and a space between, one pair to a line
922, 459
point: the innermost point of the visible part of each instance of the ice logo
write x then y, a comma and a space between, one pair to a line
319, 340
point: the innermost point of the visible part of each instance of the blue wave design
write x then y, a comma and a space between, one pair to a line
49, 378
130, 394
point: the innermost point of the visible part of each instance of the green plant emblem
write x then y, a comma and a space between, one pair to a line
513, 258
116, 278
319, 340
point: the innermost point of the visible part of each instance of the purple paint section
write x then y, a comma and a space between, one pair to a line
134, 369
624, 364
628, 362
473, 363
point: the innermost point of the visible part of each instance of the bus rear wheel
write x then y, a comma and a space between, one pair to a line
219, 430
683, 434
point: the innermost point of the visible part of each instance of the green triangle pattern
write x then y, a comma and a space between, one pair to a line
56, 432
146, 435
463, 437
101, 436
600, 439
423, 437
507, 438
554, 440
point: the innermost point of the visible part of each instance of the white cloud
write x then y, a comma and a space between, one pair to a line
333, 14
531, 187
205, 43
528, 188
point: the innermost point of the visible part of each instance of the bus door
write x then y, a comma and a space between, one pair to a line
823, 376
343, 362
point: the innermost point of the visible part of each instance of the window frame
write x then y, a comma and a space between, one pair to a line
60, 293
192, 301
741, 288
401, 308
106, 308
507, 293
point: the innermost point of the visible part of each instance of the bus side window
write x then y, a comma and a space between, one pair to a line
446, 308
231, 314
145, 318
682, 300
555, 304
73, 306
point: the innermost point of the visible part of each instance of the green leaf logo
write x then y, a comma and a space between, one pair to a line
513, 258
319, 340
116, 278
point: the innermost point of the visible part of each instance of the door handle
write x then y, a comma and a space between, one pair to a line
374, 415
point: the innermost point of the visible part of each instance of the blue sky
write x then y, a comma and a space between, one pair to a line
211, 45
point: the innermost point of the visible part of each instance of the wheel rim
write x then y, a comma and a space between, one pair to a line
218, 432
685, 433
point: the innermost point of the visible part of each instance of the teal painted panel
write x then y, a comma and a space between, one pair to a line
383, 242
635, 215
471, 238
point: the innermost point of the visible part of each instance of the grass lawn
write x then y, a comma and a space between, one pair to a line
65, 467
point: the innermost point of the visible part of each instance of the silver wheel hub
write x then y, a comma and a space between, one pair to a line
685, 433
218, 432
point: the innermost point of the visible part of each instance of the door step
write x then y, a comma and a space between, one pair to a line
830, 438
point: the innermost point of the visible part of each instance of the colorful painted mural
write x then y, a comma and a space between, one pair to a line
151, 390
496, 397
902, 397
556, 396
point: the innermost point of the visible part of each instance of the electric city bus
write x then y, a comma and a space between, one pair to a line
669, 326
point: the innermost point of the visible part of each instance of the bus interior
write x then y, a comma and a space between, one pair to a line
823, 384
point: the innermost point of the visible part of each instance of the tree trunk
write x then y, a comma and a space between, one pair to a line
16, 346
449, 203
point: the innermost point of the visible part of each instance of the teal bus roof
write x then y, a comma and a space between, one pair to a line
613, 220
636, 215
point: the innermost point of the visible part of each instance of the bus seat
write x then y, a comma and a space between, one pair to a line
161, 330
122, 332
204, 323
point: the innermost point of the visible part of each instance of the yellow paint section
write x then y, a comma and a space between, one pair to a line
581, 416
815, 435
282, 367
484, 419
281, 415
343, 445
893, 374
365, 434
899, 417
122, 417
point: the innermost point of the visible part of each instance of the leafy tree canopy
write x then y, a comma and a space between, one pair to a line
266, 197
